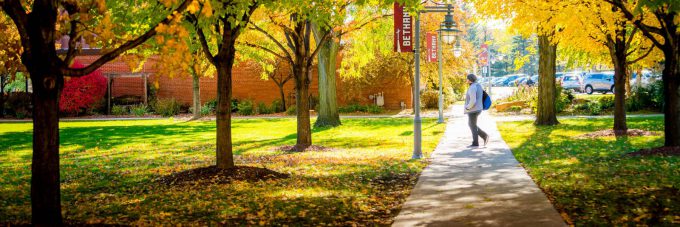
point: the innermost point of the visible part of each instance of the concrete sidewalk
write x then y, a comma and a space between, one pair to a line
475, 187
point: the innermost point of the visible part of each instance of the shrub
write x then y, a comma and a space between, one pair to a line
591, 108
82, 93
374, 109
562, 99
522, 94
352, 108
119, 110
19, 104
277, 106
429, 99
207, 110
291, 110
451, 96
595, 108
234, 105
581, 107
209, 107
167, 107
139, 110
606, 102
515, 109
246, 107
97, 108
457, 85
646, 97
264, 109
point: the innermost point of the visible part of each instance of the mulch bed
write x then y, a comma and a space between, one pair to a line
661, 151
295, 148
610, 132
214, 175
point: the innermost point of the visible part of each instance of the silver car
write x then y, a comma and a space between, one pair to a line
599, 82
572, 81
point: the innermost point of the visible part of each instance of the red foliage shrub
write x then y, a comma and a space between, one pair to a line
84, 92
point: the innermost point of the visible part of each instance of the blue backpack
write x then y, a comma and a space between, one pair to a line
487, 100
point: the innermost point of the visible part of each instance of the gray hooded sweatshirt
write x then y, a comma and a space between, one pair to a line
474, 98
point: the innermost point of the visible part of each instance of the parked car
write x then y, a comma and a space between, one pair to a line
599, 81
509, 79
534, 79
647, 76
572, 81
498, 81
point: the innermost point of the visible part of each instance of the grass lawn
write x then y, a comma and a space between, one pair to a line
590, 180
110, 172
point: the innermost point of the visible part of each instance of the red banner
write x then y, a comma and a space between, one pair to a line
432, 48
402, 30
484, 54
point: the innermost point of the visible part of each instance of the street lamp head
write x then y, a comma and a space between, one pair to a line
457, 50
448, 38
448, 20
449, 28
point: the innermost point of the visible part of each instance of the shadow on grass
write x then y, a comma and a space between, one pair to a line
592, 182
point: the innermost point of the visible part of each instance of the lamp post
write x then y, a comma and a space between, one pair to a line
449, 23
447, 33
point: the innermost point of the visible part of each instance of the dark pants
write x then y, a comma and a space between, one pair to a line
476, 131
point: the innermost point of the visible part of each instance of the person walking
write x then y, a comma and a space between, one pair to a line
474, 102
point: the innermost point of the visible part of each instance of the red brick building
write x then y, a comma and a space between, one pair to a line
247, 84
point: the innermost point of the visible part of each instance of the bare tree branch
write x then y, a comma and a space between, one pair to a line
74, 36
257, 28
266, 50
310, 60
630, 38
285, 28
202, 39
360, 26
642, 57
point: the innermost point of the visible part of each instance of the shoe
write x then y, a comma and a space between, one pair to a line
473, 146
486, 140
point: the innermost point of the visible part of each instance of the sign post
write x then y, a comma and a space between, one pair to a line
486, 66
440, 59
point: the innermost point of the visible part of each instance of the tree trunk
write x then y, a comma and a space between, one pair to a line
283, 97
2, 96
617, 51
47, 83
638, 80
45, 184
304, 132
196, 96
629, 74
671, 78
546, 110
225, 157
328, 100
